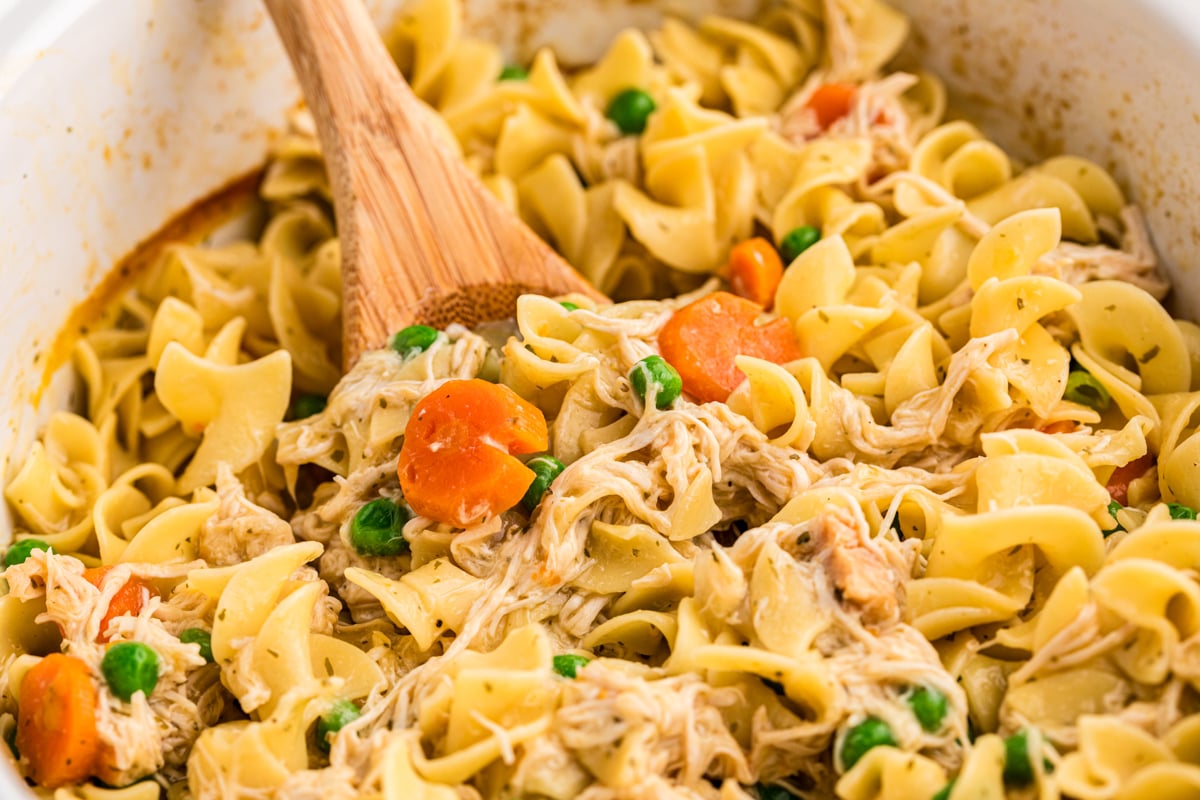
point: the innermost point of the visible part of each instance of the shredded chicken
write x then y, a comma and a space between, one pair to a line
672, 727
1135, 263
861, 574
601, 152
746, 605
240, 530
332, 565
933, 193
141, 736
840, 43
332, 783
877, 114
921, 421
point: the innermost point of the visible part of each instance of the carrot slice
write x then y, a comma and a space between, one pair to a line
464, 485
1060, 426
1118, 482
831, 102
755, 270
456, 464
701, 341
127, 600
56, 721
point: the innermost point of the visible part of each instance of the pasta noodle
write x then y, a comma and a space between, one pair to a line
941, 544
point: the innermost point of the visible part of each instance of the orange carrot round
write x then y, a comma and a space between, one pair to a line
701, 341
456, 464
1118, 482
1059, 426
831, 102
755, 270
127, 600
56, 721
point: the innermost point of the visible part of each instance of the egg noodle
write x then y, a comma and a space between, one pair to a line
944, 553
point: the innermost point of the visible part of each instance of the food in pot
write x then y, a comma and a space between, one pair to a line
893, 496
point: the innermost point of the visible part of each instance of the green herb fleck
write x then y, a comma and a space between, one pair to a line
569, 664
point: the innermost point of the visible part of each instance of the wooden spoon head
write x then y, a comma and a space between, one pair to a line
422, 239
367, 326
472, 305
410, 269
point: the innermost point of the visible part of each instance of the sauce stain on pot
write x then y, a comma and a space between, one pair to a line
191, 226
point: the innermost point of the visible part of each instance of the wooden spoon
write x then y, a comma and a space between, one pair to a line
422, 239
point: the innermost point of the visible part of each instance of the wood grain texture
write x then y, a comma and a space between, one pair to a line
422, 239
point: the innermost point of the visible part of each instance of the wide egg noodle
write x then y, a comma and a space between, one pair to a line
1153, 344
1116, 759
236, 408
51, 494
889, 774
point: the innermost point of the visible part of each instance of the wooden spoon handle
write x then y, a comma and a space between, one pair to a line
402, 192
338, 57
360, 104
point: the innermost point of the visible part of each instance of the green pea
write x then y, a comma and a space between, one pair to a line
413, 340
871, 732
513, 72
568, 305
569, 664
1180, 511
1082, 388
307, 405
377, 528
929, 706
655, 371
796, 241
129, 668
545, 469
1113, 508
944, 792
339, 715
1018, 767
630, 109
19, 551
201, 637
769, 791
10, 739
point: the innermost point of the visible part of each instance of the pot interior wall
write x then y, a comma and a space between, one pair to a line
1096, 78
